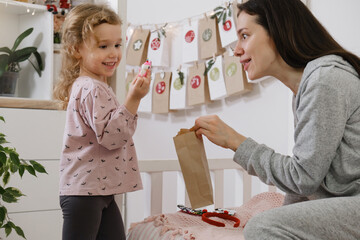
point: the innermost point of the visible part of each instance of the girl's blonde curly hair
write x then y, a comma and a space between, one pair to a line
79, 24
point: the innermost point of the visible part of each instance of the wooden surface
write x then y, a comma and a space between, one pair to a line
10, 102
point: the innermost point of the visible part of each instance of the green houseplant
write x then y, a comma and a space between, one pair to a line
10, 63
10, 164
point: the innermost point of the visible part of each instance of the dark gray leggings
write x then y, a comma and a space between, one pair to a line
91, 218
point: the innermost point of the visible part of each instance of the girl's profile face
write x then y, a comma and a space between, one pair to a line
255, 48
100, 54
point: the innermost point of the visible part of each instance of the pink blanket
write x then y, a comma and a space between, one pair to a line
179, 225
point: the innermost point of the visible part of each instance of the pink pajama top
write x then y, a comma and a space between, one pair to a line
98, 155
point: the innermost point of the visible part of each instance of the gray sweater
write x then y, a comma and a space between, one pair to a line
326, 155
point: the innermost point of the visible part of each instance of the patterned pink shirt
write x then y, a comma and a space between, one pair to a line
98, 156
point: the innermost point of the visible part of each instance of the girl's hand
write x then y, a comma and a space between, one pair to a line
139, 87
217, 132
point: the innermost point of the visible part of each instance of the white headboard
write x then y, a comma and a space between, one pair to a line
164, 188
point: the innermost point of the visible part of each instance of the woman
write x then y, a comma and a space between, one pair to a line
282, 38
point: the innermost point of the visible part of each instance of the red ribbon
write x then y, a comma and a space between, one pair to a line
205, 218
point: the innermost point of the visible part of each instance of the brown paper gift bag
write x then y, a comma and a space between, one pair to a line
161, 92
195, 169
197, 85
235, 77
209, 38
138, 46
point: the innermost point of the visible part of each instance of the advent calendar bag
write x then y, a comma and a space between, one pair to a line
178, 89
158, 50
227, 27
235, 78
137, 47
210, 43
197, 86
129, 33
194, 167
146, 102
129, 78
215, 78
190, 42
161, 92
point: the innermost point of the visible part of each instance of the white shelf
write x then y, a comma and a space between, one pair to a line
16, 17
19, 8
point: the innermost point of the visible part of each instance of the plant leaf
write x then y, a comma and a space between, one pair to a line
21, 37
3, 212
39, 60
224, 18
22, 54
2, 190
6, 50
14, 191
218, 8
219, 18
2, 119
36, 68
13, 168
30, 169
181, 77
19, 231
210, 64
3, 157
9, 198
15, 158
21, 170
38, 167
7, 229
6, 178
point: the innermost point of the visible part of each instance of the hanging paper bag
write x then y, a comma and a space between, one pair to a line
215, 76
129, 78
194, 167
161, 92
138, 46
190, 42
235, 77
226, 25
158, 50
146, 102
178, 90
197, 86
209, 38
129, 33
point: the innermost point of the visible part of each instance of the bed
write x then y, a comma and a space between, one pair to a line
152, 213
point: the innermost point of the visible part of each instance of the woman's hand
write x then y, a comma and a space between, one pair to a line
138, 88
217, 132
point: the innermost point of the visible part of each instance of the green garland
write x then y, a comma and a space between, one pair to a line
221, 13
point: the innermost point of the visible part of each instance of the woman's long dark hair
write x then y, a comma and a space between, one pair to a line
298, 36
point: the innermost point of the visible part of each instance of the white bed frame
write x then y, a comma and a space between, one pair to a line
164, 188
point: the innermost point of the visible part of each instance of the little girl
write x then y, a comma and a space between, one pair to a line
98, 158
